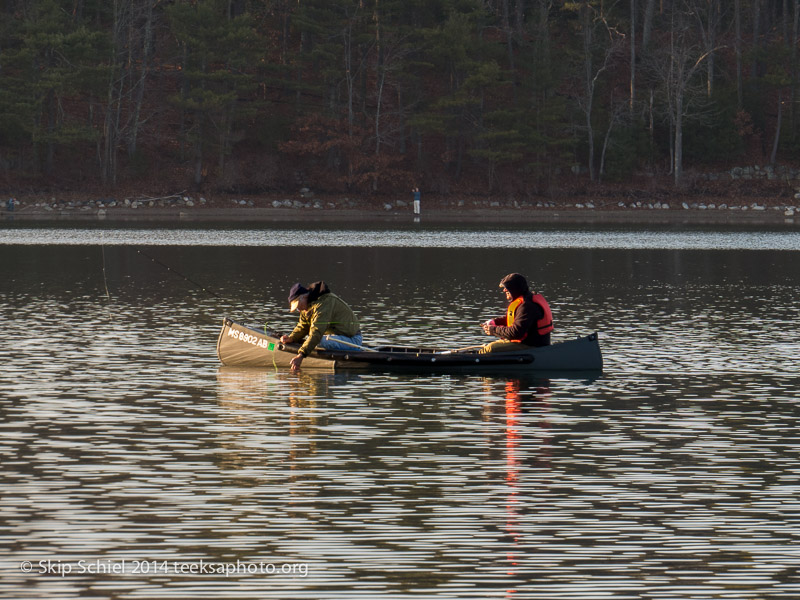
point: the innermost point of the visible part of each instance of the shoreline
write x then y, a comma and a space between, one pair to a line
615, 210
528, 216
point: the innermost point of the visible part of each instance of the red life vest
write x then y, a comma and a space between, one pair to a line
543, 325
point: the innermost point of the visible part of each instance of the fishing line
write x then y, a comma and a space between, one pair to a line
170, 269
103, 251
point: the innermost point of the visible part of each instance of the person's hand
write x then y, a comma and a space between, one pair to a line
488, 327
285, 339
296, 362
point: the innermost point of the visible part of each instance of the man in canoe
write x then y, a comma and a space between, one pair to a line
527, 322
326, 321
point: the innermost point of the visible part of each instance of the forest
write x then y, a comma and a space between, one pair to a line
372, 97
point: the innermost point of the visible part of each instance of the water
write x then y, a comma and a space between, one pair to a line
416, 236
126, 446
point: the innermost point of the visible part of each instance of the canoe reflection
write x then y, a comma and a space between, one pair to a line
282, 402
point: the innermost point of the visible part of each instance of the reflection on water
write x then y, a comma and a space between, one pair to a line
675, 475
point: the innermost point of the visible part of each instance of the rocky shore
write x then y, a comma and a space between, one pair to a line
309, 206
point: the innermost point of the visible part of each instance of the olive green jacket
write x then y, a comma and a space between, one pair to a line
327, 315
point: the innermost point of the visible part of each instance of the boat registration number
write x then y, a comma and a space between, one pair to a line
249, 338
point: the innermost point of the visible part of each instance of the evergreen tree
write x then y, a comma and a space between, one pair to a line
48, 61
218, 54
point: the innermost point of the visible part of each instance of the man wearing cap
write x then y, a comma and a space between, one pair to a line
528, 320
326, 321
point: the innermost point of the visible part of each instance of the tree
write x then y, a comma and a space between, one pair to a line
217, 51
49, 61
601, 43
129, 64
677, 65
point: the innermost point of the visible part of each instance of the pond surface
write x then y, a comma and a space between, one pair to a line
141, 468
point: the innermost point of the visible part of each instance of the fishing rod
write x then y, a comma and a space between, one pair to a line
171, 270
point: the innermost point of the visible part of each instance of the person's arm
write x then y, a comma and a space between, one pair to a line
299, 332
524, 321
320, 317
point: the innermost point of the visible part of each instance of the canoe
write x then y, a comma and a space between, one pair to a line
243, 346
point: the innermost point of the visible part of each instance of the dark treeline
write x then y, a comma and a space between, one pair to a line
373, 96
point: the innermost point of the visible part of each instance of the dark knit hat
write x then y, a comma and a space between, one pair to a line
296, 291
515, 283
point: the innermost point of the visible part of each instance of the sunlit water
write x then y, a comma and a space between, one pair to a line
674, 475
413, 236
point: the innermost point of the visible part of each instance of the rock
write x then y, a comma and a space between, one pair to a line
712, 206
789, 212
685, 206
578, 205
189, 203
276, 204
758, 207
665, 206
387, 207
589, 205
722, 206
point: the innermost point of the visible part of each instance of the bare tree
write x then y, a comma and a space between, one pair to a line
677, 64
709, 17
608, 45
737, 19
129, 66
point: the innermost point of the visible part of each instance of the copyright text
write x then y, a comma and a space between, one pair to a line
161, 567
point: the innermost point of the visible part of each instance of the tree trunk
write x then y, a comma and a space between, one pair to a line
633, 58
737, 18
755, 66
777, 139
144, 71
677, 168
586, 19
647, 24
793, 86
